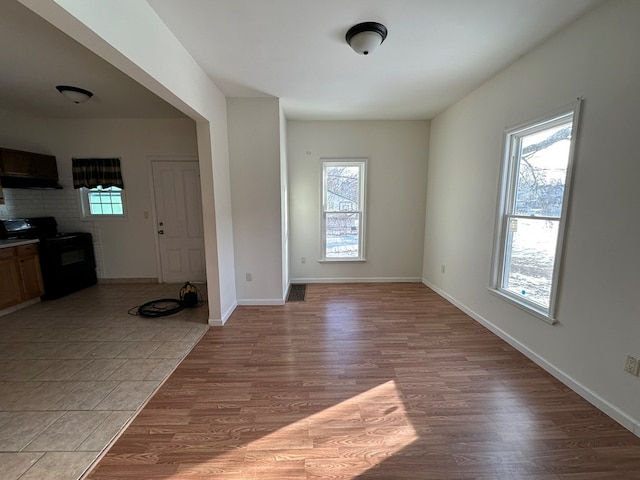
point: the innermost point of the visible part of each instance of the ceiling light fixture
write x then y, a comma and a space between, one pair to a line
75, 94
365, 37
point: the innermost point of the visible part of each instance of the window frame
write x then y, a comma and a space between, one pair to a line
506, 208
361, 163
86, 207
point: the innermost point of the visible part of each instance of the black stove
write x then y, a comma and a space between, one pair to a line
67, 260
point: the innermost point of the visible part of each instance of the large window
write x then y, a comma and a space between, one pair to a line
532, 211
343, 210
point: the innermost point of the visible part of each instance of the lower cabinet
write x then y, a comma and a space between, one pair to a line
10, 281
20, 276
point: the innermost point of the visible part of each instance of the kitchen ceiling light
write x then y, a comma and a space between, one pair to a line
75, 94
365, 37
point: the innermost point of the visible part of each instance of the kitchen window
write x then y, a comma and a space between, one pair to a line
102, 202
101, 187
532, 212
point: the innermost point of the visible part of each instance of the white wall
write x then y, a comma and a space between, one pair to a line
284, 201
396, 189
598, 310
122, 245
254, 151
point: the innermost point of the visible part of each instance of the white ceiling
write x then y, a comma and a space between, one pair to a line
435, 53
35, 57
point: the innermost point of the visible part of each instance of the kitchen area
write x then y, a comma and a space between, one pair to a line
75, 365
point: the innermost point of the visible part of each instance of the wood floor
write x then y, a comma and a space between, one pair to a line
367, 381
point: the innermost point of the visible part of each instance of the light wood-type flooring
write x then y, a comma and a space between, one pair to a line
366, 381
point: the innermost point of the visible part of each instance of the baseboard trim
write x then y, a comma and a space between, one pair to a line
627, 421
219, 322
358, 280
128, 280
20, 306
260, 302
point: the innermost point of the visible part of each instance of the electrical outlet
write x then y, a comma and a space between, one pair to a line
632, 365
249, 277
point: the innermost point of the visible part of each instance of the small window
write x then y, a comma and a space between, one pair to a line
100, 202
533, 209
343, 210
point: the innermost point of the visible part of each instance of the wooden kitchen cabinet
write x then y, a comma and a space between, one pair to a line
30, 275
20, 276
15, 163
10, 282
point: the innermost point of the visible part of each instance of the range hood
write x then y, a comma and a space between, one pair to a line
29, 183
20, 169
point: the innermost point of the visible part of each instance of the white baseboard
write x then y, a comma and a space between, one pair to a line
126, 280
358, 280
261, 302
215, 322
219, 322
623, 418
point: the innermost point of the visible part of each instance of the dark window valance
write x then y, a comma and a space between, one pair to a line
95, 172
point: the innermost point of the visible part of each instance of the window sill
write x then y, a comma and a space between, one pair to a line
342, 260
97, 218
540, 314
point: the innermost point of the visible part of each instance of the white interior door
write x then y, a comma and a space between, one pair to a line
179, 221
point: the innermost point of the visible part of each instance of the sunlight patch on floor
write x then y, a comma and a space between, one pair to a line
348, 438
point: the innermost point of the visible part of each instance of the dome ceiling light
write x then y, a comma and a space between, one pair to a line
365, 37
75, 94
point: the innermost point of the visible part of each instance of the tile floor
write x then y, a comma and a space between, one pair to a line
74, 371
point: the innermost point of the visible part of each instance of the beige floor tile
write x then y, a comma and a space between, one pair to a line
15, 464
170, 333
106, 431
74, 350
72, 345
82, 333
107, 349
22, 370
143, 334
36, 350
23, 427
196, 333
11, 393
114, 333
164, 366
172, 350
60, 466
134, 369
128, 395
61, 370
67, 432
45, 395
86, 395
139, 349
99, 369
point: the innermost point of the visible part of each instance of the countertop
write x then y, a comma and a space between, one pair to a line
17, 242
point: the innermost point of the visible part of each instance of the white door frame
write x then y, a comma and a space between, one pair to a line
152, 189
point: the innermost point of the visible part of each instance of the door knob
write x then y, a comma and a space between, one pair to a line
161, 232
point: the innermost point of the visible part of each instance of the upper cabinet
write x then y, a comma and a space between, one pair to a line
20, 169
